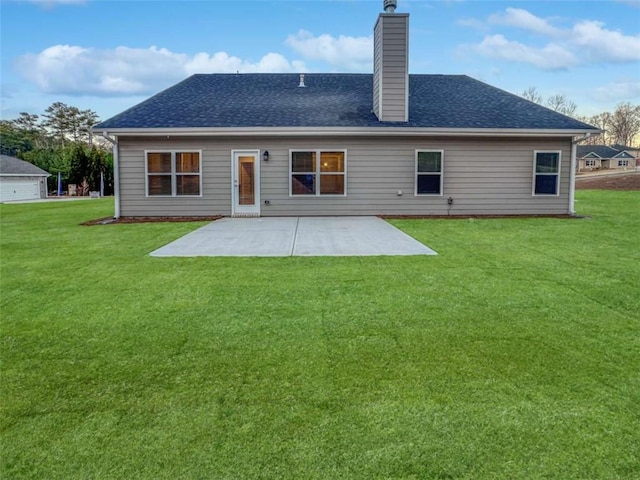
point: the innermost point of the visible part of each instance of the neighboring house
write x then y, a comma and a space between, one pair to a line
342, 144
596, 157
20, 180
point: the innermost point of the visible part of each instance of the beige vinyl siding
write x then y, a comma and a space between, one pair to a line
216, 180
483, 176
390, 79
377, 68
582, 164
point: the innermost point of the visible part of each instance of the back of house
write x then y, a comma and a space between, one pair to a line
607, 157
386, 143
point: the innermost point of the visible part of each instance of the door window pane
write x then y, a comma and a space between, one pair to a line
246, 181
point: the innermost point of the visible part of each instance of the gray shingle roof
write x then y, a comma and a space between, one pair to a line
333, 100
15, 166
621, 147
603, 151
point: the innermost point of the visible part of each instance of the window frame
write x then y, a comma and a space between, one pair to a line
623, 162
318, 173
535, 174
590, 162
173, 174
416, 173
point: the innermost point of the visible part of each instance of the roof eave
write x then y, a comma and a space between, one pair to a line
346, 131
25, 174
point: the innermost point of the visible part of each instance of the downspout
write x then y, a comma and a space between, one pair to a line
116, 174
572, 175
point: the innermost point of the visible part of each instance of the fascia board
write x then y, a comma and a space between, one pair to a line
25, 174
346, 131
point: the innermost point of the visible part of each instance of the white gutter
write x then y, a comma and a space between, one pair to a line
346, 131
116, 174
572, 173
25, 174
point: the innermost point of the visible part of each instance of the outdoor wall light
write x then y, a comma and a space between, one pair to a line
265, 156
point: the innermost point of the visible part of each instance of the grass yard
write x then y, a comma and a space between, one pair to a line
513, 354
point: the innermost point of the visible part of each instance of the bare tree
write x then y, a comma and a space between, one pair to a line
600, 121
559, 103
562, 104
532, 95
624, 124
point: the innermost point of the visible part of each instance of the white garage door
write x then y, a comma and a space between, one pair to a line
19, 190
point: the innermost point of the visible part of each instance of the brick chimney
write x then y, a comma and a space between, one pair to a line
391, 65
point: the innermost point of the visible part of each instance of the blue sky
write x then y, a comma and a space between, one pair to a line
109, 55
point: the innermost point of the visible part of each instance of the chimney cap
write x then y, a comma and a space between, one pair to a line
390, 6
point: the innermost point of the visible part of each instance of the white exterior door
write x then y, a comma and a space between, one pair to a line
246, 183
19, 190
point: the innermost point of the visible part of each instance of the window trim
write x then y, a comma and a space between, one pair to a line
623, 162
416, 173
535, 174
590, 162
174, 175
318, 173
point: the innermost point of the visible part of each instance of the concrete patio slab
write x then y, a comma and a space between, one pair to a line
297, 236
353, 236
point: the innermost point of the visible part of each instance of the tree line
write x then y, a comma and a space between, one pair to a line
620, 126
60, 141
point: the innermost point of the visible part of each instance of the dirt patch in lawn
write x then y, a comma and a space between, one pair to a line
479, 216
113, 221
629, 181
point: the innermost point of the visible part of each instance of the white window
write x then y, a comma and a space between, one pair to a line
589, 163
429, 168
318, 172
173, 173
546, 173
623, 163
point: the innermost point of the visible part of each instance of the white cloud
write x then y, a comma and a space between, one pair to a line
221, 62
549, 57
520, 18
473, 23
618, 91
585, 42
68, 69
353, 53
601, 44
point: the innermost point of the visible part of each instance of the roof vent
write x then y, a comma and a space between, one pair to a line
301, 84
390, 6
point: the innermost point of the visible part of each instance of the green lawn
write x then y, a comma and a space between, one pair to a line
515, 353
